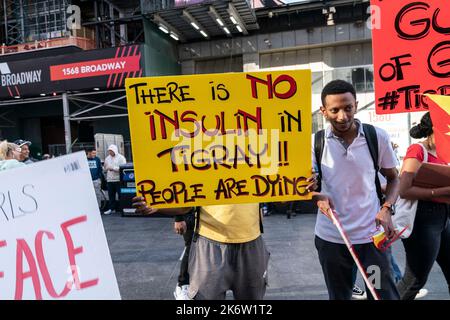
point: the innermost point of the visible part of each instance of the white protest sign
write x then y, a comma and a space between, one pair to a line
52, 241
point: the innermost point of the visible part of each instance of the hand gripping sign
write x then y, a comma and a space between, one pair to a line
52, 241
221, 138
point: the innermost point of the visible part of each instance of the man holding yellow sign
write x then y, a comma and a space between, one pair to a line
222, 138
223, 142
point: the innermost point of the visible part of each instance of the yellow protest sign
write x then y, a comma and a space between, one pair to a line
221, 138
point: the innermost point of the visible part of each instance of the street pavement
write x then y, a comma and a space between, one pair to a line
146, 252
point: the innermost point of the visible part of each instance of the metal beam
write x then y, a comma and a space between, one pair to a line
112, 5
51, 98
5, 17
123, 30
78, 105
219, 20
137, 37
89, 104
111, 28
100, 117
12, 124
98, 106
113, 34
108, 103
28, 100
301, 7
238, 21
66, 115
95, 92
194, 23
97, 30
120, 20
163, 24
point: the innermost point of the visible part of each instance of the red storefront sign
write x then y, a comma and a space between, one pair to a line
94, 68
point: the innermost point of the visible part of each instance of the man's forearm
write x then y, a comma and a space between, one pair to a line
392, 189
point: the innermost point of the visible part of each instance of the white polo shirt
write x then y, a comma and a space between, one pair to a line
348, 177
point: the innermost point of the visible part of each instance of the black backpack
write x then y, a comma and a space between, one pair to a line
372, 141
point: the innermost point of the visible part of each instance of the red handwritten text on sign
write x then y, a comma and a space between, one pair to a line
411, 50
33, 268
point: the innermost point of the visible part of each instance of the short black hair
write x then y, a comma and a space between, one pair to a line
337, 87
90, 149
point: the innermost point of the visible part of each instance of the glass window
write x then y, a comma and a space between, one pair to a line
277, 59
369, 79
358, 79
317, 121
265, 61
317, 82
342, 74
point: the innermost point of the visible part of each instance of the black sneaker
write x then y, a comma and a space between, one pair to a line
358, 293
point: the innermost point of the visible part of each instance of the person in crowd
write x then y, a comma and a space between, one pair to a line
430, 237
396, 147
184, 225
95, 166
112, 167
227, 251
348, 171
10, 154
360, 294
25, 153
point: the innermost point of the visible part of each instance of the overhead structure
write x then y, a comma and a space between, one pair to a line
167, 28
236, 19
205, 19
194, 23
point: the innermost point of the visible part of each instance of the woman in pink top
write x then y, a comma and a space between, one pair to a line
430, 238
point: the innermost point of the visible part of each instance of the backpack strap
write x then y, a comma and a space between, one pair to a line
261, 227
319, 143
372, 142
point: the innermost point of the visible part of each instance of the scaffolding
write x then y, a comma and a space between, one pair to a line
33, 20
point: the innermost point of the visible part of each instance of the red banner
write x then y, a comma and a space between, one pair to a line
94, 68
411, 50
440, 116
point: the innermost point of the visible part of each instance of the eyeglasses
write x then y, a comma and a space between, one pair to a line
18, 149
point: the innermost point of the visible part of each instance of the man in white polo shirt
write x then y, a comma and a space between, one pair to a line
348, 187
